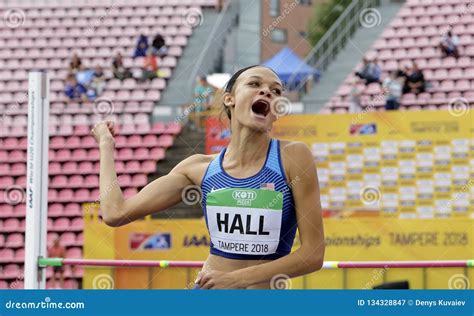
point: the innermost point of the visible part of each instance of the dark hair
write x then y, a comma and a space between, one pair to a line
233, 79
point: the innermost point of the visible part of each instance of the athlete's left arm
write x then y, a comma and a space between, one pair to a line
309, 257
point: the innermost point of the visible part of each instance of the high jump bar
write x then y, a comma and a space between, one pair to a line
55, 262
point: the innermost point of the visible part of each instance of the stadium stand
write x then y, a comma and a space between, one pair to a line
414, 35
51, 33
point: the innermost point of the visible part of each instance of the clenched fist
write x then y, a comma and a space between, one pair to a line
104, 132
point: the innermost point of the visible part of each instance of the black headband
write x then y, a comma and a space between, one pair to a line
231, 82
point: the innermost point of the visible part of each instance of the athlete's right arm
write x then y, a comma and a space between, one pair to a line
158, 195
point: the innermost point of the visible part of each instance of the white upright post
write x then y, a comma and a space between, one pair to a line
37, 178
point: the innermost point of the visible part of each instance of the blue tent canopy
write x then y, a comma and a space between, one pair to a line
289, 66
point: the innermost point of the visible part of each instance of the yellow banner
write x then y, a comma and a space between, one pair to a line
353, 239
405, 164
396, 125
163, 239
348, 239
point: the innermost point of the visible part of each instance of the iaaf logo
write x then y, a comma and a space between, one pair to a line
244, 197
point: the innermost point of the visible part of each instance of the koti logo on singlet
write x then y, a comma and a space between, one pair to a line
244, 197
244, 221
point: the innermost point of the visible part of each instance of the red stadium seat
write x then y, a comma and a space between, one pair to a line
14, 240
5, 182
132, 166
81, 195
80, 154
20, 255
74, 253
63, 155
148, 166
7, 255
12, 271
72, 209
11, 225
59, 181
157, 153
141, 153
69, 167
76, 181
65, 195
68, 239
125, 154
55, 209
139, 180
61, 224
125, 180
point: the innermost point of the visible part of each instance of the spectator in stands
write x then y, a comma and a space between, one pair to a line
449, 45
98, 80
84, 78
202, 100
370, 72
355, 105
118, 68
203, 93
150, 66
220, 5
414, 80
74, 90
158, 46
392, 88
57, 251
403, 71
142, 47
75, 65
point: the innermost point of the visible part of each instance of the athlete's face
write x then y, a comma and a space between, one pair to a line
253, 98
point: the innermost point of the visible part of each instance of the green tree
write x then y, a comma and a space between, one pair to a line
325, 14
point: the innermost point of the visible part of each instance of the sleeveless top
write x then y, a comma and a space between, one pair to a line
252, 218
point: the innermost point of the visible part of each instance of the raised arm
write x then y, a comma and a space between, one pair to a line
158, 195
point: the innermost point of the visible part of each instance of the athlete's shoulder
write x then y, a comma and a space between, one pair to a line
294, 147
198, 159
193, 162
193, 167
295, 155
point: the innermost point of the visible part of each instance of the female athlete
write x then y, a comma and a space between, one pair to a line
255, 193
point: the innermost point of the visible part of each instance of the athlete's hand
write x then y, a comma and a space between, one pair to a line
104, 131
218, 280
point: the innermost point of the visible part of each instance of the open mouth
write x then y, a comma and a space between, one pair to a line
261, 107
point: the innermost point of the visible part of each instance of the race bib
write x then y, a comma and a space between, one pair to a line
245, 221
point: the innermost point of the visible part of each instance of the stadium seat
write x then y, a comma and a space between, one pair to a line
68, 239
12, 271
55, 210
14, 240
11, 225
6, 255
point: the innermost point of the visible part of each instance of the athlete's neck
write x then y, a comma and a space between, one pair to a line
247, 147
